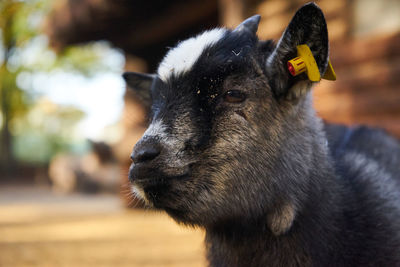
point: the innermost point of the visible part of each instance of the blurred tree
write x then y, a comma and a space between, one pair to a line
46, 129
25, 51
10, 95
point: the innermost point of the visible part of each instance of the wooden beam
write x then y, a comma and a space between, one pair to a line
175, 19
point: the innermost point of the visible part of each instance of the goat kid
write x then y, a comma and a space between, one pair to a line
234, 146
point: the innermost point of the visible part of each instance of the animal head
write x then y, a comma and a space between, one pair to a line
229, 126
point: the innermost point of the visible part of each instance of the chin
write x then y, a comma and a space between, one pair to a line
159, 191
171, 195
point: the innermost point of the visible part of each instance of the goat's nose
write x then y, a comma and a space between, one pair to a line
145, 152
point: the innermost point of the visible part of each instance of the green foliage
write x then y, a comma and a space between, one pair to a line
85, 59
24, 49
13, 96
45, 129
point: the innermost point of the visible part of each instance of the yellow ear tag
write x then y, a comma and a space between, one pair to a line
305, 62
329, 73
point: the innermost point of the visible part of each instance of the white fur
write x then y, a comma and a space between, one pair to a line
138, 192
181, 58
156, 129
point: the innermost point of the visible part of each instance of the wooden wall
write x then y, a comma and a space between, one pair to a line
366, 58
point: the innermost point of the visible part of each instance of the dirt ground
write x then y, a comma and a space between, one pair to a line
38, 228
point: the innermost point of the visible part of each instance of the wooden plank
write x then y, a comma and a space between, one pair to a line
276, 15
338, 28
174, 20
128, 24
268, 9
358, 51
368, 78
231, 12
273, 27
360, 103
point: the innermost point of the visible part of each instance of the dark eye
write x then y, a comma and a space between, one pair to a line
234, 96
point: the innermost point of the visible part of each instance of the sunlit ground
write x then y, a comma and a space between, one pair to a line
38, 228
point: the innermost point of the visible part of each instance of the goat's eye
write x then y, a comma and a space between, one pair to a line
234, 96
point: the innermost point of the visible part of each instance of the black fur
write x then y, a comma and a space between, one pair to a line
270, 183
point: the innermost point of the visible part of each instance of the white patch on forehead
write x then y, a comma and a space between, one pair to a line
156, 128
181, 58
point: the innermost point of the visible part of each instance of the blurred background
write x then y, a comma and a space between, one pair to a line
68, 124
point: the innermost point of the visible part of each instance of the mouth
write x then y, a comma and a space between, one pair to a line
146, 174
158, 180
158, 191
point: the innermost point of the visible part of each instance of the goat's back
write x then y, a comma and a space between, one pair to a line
350, 144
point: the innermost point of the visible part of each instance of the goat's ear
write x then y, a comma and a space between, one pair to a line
141, 84
308, 26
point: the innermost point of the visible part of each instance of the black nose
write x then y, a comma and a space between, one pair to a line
145, 151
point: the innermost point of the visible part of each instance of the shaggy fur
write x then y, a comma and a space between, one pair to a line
271, 184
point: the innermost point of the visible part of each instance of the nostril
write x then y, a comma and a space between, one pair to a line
145, 154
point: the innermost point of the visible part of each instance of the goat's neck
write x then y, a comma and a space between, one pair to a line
252, 243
